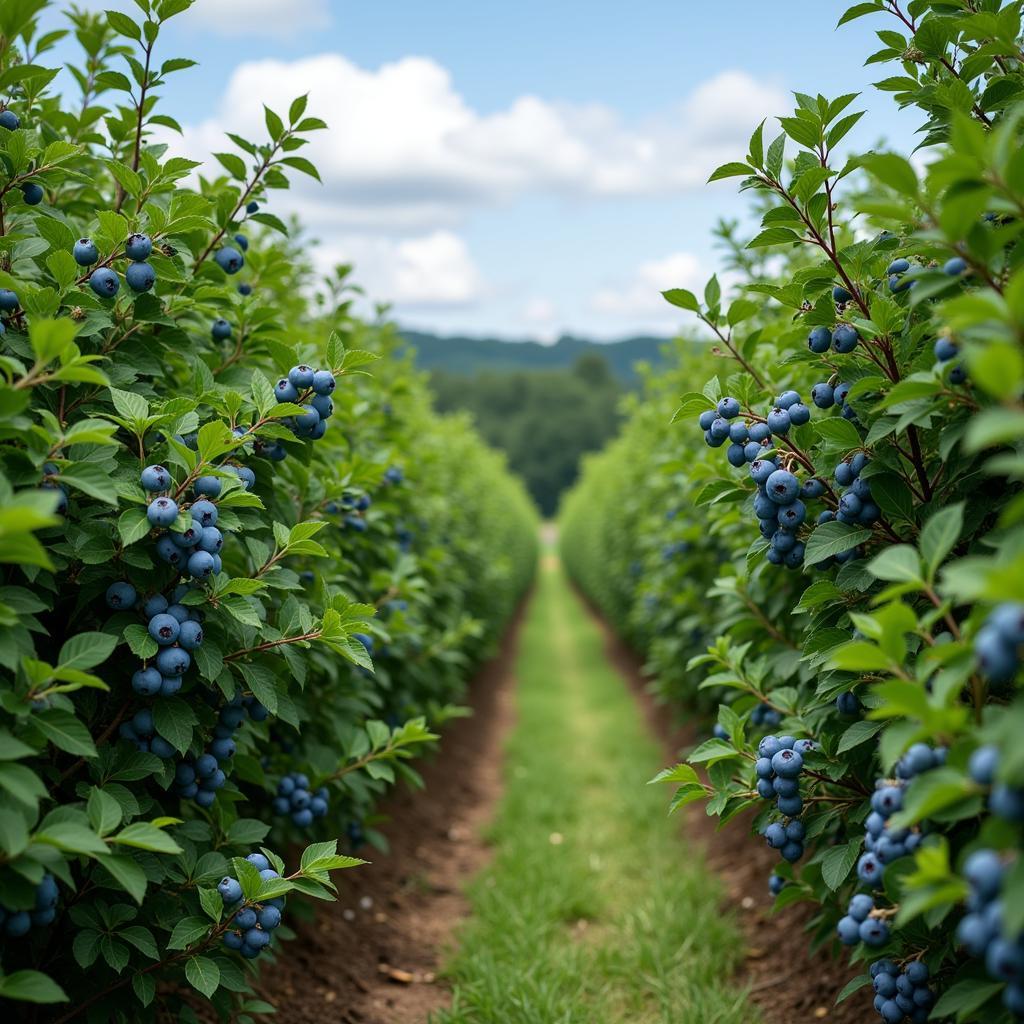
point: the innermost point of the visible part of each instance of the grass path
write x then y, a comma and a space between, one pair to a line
593, 910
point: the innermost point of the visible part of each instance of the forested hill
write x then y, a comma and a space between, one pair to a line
457, 354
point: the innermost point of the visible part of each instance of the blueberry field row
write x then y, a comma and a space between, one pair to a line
245, 571
823, 552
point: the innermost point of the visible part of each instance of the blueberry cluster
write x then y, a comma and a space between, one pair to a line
295, 799
766, 715
981, 930
16, 923
141, 731
139, 275
945, 350
312, 389
998, 643
856, 506
1004, 801
199, 779
178, 631
902, 994
882, 843
778, 768
842, 338
862, 923
825, 395
352, 507
251, 926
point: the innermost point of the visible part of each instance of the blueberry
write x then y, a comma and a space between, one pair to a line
1004, 960
188, 537
775, 835
104, 282
761, 470
958, 375
826, 517
252, 206
281, 805
207, 486
300, 799
268, 873
1008, 619
898, 266
841, 393
191, 635
246, 918
813, 488
850, 504
983, 764
738, 432
984, 871
286, 786
173, 661
303, 818
945, 349
146, 682
140, 277
121, 595
997, 657
819, 340
229, 259
954, 267
323, 405
85, 252
844, 339
164, 628
242, 242
781, 486
769, 746
324, 383
211, 540
711, 441
9, 120
138, 247
32, 193
728, 408
799, 414
860, 906
204, 512
8, 300
805, 746
309, 419
792, 851
706, 418
719, 428
233, 940
792, 515
162, 511
840, 294
869, 868
874, 932
200, 564
179, 611
848, 931
286, 391
220, 330
765, 789
17, 924
269, 918
779, 421
155, 478
245, 289
916, 972
776, 883
169, 551
782, 541
736, 455
223, 749
787, 763
791, 806
884, 967
823, 395
302, 376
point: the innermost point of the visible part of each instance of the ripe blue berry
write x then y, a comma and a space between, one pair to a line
874, 932
840, 393
761, 470
945, 349
840, 294
138, 247
759, 432
848, 931
9, 120
323, 405
140, 276
173, 661
155, 478
146, 682
323, 382
982, 765
823, 395
954, 267
787, 399
230, 890
286, 391
787, 764
245, 289
229, 259
252, 206
819, 340
223, 749
104, 282
728, 408
736, 455
848, 703
782, 486
200, 564
302, 376
190, 635
204, 512
164, 628
706, 418
242, 242
779, 421
799, 414
738, 432
221, 330
121, 595
269, 918
162, 512
898, 266
844, 339
32, 193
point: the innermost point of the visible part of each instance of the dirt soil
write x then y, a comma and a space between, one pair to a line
373, 957
786, 984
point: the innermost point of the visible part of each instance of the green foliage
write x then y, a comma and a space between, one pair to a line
398, 526
544, 420
662, 533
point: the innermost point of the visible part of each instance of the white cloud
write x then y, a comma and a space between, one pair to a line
260, 17
406, 151
640, 297
541, 318
422, 271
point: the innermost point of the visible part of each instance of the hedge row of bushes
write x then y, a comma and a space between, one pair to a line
826, 543
245, 571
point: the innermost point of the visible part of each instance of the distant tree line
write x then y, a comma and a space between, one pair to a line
545, 420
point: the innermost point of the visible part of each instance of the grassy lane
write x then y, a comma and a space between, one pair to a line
593, 910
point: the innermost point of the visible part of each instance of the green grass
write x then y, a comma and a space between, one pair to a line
594, 910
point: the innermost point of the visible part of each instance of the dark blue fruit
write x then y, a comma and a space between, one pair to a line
229, 259
104, 282
140, 277
819, 340
844, 338
138, 247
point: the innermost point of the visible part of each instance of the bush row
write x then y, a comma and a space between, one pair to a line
245, 571
826, 544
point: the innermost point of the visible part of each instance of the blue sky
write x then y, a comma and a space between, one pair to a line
520, 169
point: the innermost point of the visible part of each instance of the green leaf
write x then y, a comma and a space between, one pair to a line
65, 731
939, 536
145, 836
838, 862
832, 538
174, 719
202, 974
188, 931
31, 987
897, 564
86, 650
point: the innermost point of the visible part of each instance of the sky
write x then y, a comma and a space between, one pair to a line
517, 170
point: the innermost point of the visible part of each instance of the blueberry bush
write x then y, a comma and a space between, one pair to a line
245, 571
826, 544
